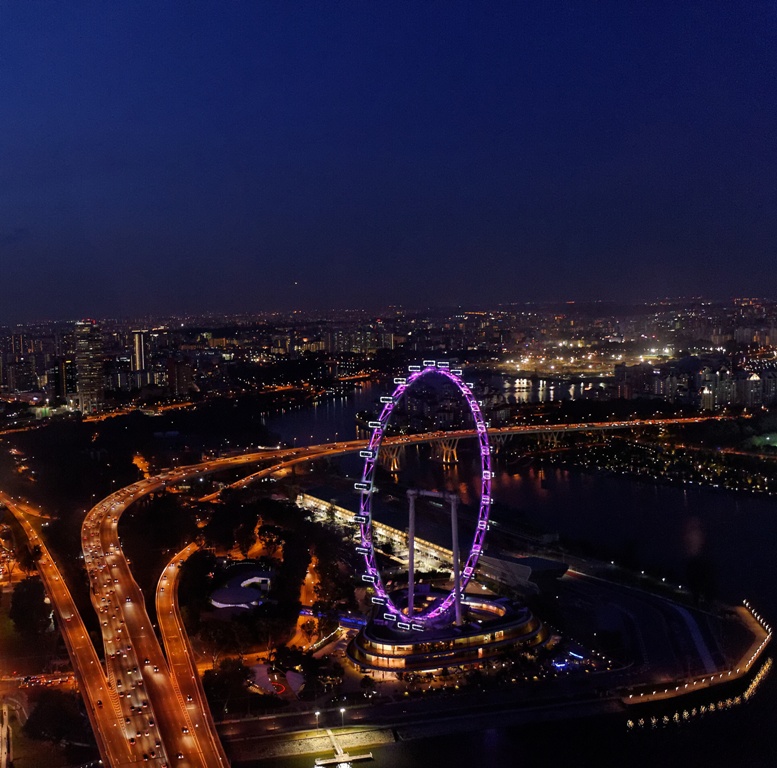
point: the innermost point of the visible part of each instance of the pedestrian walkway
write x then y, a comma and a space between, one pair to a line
338, 748
340, 756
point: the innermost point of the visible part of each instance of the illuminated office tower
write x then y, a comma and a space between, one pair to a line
139, 358
89, 366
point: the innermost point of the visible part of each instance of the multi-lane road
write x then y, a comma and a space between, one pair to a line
180, 655
156, 721
102, 703
146, 706
163, 714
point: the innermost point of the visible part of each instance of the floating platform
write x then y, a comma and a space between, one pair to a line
343, 758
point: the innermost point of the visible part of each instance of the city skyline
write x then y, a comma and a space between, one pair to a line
241, 158
396, 377
354, 313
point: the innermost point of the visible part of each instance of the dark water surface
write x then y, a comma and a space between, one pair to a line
657, 527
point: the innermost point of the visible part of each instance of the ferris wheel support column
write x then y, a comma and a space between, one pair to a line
454, 499
411, 497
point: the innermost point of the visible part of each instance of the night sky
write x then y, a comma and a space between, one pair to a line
161, 157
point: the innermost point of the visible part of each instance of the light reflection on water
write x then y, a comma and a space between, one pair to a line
660, 526
541, 390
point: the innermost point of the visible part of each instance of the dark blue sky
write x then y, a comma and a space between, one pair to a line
232, 156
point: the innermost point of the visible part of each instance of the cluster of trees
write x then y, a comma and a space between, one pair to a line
152, 529
226, 687
76, 463
715, 433
264, 626
321, 675
227, 690
232, 522
30, 612
573, 411
58, 717
242, 517
194, 587
290, 542
335, 565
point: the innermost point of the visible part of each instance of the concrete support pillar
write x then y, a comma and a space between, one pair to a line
411, 497
391, 458
454, 499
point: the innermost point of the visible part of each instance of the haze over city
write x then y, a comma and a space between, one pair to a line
388, 384
164, 158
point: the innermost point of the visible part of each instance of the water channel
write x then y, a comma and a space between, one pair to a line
659, 526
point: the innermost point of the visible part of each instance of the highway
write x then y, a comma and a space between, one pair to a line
157, 726
139, 706
183, 667
160, 725
177, 646
102, 703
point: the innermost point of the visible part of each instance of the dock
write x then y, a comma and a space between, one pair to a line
343, 759
340, 757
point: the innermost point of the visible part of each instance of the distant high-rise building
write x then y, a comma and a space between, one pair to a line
139, 350
61, 380
21, 376
89, 366
180, 377
67, 384
140, 358
18, 345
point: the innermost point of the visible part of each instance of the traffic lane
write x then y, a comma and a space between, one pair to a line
86, 665
180, 654
170, 718
136, 629
137, 644
137, 712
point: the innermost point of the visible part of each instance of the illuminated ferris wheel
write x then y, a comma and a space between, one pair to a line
410, 619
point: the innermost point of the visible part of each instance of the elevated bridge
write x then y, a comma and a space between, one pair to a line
445, 443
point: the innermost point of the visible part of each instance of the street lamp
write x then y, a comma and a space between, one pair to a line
317, 714
342, 716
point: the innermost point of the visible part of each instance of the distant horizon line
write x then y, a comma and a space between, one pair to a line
392, 308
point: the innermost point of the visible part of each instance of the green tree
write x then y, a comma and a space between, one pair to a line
30, 612
216, 636
27, 557
245, 536
195, 585
271, 538
57, 717
308, 628
226, 687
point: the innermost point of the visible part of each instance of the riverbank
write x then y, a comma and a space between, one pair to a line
620, 695
250, 751
316, 742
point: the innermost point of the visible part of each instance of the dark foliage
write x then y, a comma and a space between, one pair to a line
29, 612
57, 717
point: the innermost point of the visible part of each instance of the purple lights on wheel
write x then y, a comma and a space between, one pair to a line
372, 577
